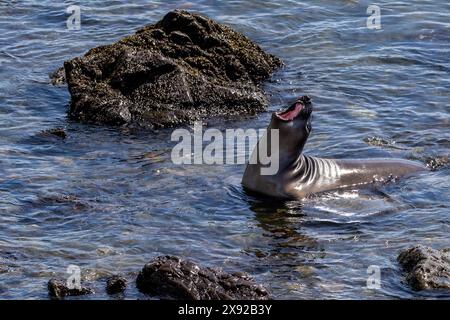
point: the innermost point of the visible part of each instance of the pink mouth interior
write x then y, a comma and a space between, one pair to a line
291, 113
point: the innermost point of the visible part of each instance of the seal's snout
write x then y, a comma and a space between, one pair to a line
302, 106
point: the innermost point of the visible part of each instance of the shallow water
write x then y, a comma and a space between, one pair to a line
109, 200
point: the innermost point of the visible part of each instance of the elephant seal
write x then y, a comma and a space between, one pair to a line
299, 175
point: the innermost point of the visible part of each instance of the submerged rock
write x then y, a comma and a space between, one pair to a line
116, 284
173, 277
184, 68
54, 132
8, 261
59, 289
426, 268
435, 163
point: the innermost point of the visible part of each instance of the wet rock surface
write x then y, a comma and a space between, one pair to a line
426, 268
58, 77
176, 278
59, 289
186, 67
116, 284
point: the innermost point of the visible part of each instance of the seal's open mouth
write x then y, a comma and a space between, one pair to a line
292, 112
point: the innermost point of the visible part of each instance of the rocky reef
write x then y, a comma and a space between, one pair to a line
185, 67
176, 278
426, 268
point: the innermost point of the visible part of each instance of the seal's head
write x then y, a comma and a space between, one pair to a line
294, 124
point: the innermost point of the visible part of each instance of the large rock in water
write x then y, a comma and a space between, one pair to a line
184, 68
173, 277
426, 268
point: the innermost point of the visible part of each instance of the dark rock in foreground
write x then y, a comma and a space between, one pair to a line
426, 268
184, 68
59, 289
116, 284
172, 277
